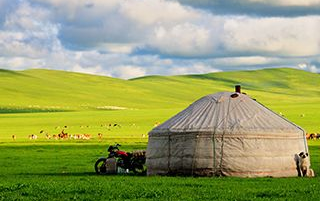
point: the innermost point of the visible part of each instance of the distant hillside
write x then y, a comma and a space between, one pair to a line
60, 90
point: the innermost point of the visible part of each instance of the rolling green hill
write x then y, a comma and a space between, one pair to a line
67, 90
294, 93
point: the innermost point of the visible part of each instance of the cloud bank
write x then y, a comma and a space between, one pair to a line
282, 8
127, 39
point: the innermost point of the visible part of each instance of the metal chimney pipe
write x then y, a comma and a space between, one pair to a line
238, 88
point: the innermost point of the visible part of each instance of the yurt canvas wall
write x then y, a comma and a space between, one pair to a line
226, 134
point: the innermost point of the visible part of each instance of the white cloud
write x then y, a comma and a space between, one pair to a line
98, 70
257, 7
126, 39
245, 61
126, 48
287, 2
21, 63
187, 40
273, 36
128, 71
308, 67
125, 26
151, 12
239, 36
196, 68
28, 32
113, 21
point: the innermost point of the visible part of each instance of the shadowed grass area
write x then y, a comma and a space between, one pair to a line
7, 110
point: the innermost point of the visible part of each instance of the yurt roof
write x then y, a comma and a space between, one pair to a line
230, 113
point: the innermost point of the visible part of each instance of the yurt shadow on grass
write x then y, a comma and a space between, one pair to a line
226, 134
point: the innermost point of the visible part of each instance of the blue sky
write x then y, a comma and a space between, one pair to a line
132, 38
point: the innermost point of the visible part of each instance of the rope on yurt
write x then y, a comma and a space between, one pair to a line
305, 142
222, 136
224, 130
196, 147
213, 139
182, 154
194, 154
197, 135
169, 153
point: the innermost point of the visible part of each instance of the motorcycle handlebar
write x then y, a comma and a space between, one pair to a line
115, 147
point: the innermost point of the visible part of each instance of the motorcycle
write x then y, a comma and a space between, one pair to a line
123, 162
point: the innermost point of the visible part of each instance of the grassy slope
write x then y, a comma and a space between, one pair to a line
75, 90
64, 89
292, 92
268, 86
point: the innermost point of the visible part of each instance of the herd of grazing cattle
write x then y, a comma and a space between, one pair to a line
313, 136
63, 135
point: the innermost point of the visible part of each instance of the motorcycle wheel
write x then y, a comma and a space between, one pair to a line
100, 166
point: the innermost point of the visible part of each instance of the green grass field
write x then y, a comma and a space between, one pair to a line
64, 171
132, 123
43, 100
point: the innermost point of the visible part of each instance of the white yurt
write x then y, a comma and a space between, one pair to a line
226, 134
